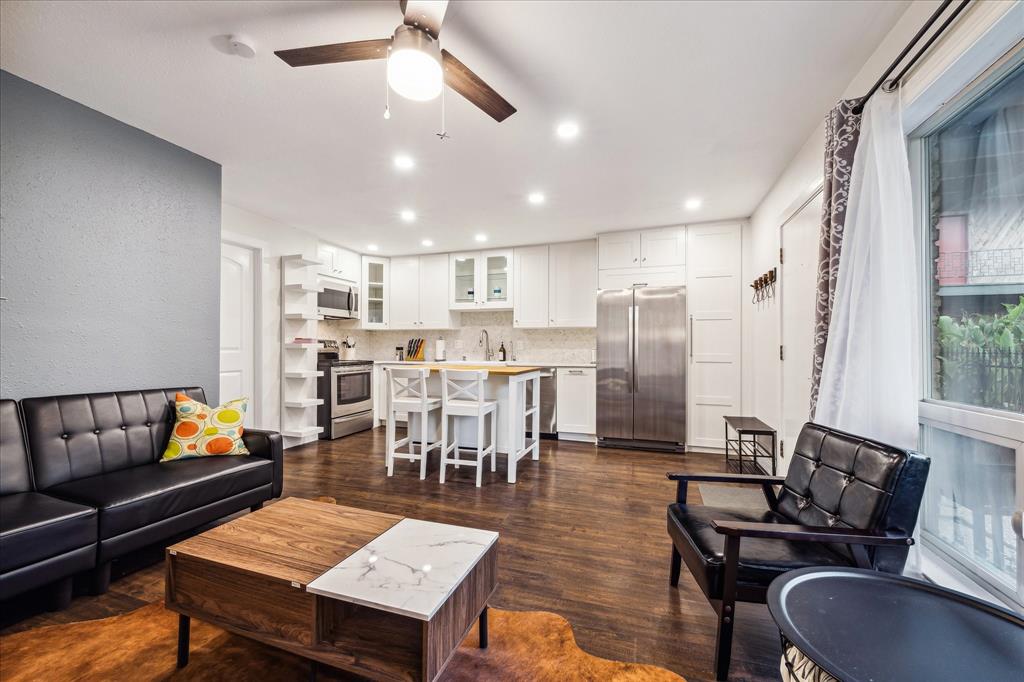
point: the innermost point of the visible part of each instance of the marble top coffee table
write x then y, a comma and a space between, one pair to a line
411, 569
374, 594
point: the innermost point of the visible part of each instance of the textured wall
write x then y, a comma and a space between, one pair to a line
109, 252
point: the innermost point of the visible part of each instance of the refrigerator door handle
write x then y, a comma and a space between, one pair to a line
635, 326
630, 341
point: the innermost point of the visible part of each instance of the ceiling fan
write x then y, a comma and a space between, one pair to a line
417, 69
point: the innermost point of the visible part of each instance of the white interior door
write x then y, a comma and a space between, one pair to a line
237, 331
797, 292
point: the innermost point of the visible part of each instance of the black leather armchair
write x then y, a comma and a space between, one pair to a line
102, 450
846, 501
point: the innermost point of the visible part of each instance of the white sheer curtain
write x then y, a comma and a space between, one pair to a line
869, 382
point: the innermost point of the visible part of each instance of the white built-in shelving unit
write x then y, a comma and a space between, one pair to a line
298, 359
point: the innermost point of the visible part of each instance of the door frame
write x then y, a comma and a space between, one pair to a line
257, 247
804, 199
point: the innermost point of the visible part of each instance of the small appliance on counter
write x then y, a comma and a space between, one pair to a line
346, 388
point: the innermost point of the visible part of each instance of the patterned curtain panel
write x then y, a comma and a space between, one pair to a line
842, 132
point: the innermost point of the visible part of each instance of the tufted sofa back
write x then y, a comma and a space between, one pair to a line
77, 436
838, 479
15, 469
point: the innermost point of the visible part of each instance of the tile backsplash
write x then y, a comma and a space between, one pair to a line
569, 344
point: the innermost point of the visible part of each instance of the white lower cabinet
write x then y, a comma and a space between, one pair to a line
576, 405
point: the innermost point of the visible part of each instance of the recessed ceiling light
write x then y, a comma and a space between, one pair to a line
427, 242
408, 215
535, 198
371, 247
480, 237
404, 162
693, 204
567, 130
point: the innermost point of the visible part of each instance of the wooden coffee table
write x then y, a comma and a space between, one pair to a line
370, 593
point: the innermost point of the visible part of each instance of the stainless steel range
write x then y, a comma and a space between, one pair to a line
347, 391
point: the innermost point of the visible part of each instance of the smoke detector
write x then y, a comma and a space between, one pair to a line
241, 46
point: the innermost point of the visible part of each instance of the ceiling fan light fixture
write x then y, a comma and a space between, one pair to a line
414, 65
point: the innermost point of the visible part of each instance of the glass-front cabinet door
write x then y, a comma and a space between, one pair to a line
464, 289
375, 293
498, 278
481, 280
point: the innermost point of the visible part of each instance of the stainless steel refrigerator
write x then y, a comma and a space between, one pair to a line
641, 367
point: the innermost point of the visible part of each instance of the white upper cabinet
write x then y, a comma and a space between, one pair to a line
405, 292
665, 246
376, 293
481, 280
572, 284
556, 285
619, 250
532, 284
339, 262
419, 293
433, 293
655, 257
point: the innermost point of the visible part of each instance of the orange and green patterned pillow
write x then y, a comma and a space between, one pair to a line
201, 430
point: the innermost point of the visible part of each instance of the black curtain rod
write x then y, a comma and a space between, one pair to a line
859, 107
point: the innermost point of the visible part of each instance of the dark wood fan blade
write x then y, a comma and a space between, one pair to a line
338, 52
463, 81
426, 15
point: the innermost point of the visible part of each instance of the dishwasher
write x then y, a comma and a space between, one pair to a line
548, 400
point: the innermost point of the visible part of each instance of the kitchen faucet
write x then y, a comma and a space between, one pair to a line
485, 343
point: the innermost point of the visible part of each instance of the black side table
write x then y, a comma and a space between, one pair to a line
861, 625
752, 448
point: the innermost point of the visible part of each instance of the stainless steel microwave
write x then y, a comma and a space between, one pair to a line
338, 300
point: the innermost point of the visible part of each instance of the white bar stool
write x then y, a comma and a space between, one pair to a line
462, 395
407, 392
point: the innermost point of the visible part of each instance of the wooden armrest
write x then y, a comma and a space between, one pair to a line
766, 483
752, 479
786, 531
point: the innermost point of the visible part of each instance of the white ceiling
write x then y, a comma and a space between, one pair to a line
707, 99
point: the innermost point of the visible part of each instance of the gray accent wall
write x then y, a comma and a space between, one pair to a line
109, 252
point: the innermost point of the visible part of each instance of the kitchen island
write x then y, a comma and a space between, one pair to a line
505, 384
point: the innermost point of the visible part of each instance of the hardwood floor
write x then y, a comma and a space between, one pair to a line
582, 534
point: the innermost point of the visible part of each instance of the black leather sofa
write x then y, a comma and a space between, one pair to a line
43, 539
93, 466
845, 501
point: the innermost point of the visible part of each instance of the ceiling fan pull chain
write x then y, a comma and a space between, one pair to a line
387, 88
443, 135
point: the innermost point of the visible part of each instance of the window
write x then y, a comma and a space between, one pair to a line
969, 173
976, 205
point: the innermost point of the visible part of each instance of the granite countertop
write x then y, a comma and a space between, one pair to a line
515, 363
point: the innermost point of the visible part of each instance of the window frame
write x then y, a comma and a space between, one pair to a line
986, 424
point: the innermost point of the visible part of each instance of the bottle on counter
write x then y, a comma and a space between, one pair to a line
501, 352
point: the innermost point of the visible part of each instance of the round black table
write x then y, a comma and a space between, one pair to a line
864, 626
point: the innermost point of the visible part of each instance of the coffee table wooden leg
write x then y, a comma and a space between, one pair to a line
314, 668
184, 624
483, 628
